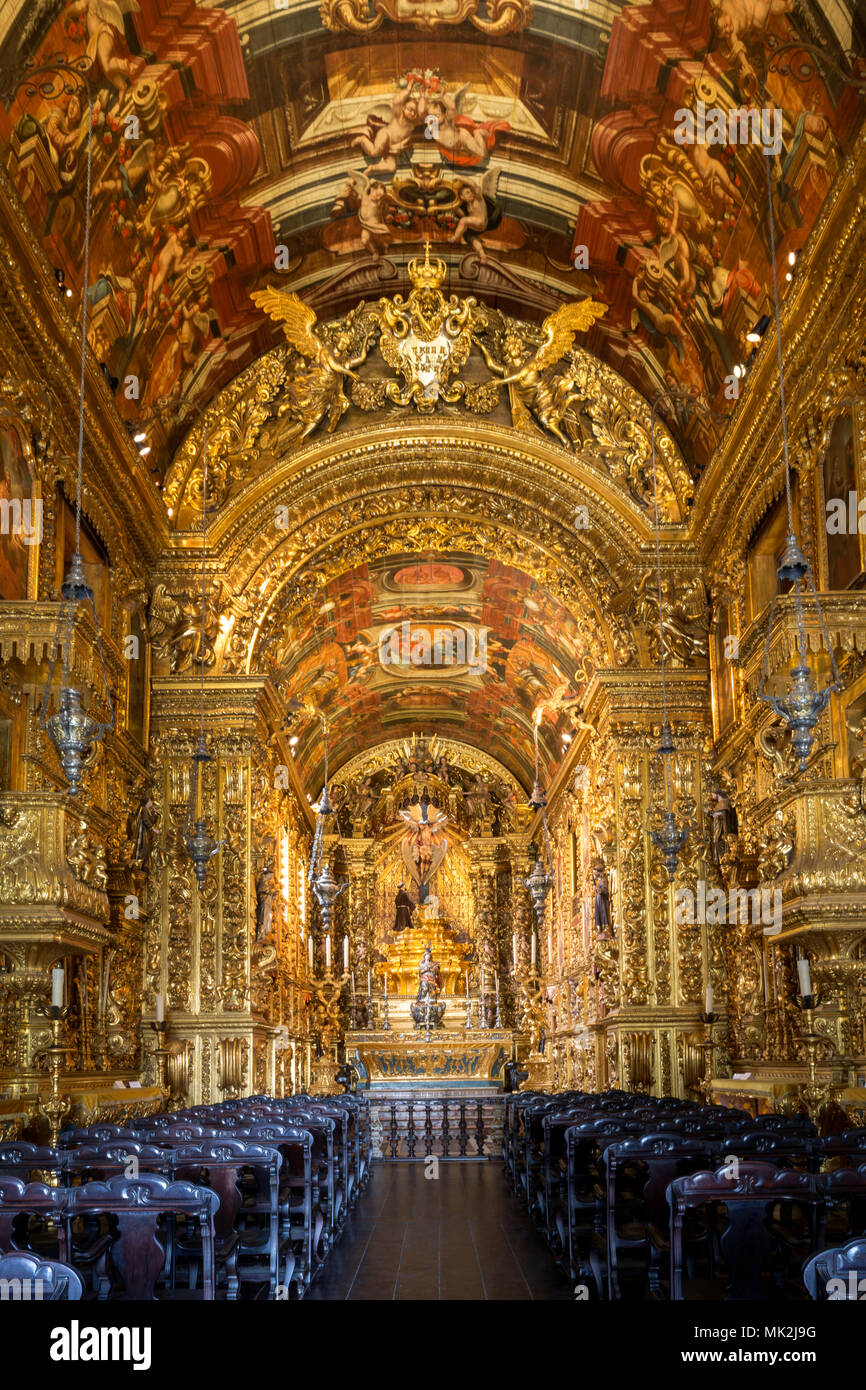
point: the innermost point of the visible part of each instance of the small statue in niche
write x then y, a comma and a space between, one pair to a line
725, 825
140, 829
265, 890
601, 901
489, 1006
403, 909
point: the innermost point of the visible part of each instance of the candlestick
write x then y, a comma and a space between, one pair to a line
160, 1009
804, 976
328, 951
57, 977
345, 954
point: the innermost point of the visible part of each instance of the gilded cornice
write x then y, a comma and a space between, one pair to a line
822, 333
458, 754
40, 344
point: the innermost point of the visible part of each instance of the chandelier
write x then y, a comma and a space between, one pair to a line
74, 732
672, 836
803, 704
199, 843
326, 887
540, 881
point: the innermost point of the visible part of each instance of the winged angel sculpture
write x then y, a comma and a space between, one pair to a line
534, 389
312, 394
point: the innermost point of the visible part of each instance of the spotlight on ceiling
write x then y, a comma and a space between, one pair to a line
566, 738
792, 257
140, 437
294, 740
145, 451
788, 275
755, 334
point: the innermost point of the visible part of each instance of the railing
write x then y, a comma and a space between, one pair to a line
412, 1130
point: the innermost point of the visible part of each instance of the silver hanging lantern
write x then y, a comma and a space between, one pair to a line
198, 842
671, 837
73, 731
803, 704
327, 890
540, 881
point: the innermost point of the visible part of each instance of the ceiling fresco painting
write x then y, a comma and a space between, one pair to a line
359, 654
317, 148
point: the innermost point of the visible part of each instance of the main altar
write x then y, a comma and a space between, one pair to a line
428, 961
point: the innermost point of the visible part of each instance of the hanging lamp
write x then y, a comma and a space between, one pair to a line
199, 843
540, 881
73, 731
672, 836
803, 703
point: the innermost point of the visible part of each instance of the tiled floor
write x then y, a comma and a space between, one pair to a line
459, 1236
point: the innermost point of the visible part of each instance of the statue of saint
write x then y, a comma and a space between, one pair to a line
140, 828
725, 825
601, 902
429, 978
265, 890
404, 907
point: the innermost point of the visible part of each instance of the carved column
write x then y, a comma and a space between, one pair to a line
221, 986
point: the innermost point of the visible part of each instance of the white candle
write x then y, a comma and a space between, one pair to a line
310, 953
345, 953
708, 1001
105, 981
369, 991
386, 986
467, 984
482, 983
328, 951
57, 987
532, 951
550, 948
805, 976
514, 949
353, 986
160, 1009
497, 985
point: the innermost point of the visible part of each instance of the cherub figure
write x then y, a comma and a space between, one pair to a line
459, 138
369, 195
318, 392
103, 20
481, 212
385, 140
534, 392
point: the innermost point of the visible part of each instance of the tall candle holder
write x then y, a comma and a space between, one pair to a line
55, 1106
815, 1094
707, 1047
161, 1055
532, 1021
328, 991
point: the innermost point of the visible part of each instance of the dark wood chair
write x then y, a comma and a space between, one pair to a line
20, 1159
844, 1215
765, 1219
136, 1210
29, 1277
246, 1230
837, 1274
845, 1150
637, 1174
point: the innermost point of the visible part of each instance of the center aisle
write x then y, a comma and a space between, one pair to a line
460, 1235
